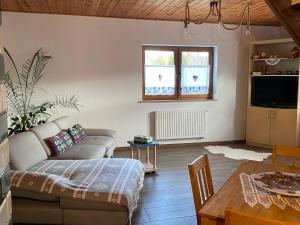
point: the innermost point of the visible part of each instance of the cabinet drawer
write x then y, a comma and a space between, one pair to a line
4, 155
4, 183
2, 98
3, 126
6, 210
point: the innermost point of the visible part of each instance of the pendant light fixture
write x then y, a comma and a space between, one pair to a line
215, 10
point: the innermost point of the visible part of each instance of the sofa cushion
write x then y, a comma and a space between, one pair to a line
33, 195
65, 122
84, 152
68, 203
59, 143
44, 131
101, 132
98, 217
25, 151
103, 141
27, 211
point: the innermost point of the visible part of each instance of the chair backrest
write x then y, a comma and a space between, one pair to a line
201, 181
284, 153
233, 217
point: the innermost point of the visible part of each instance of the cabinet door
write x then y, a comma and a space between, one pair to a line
258, 125
283, 127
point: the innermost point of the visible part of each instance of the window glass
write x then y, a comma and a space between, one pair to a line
160, 72
195, 73
177, 72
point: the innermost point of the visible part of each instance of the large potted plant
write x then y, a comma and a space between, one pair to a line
22, 86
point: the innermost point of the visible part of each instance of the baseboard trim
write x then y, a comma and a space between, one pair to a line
181, 145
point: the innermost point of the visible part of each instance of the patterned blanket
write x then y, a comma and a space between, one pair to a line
115, 181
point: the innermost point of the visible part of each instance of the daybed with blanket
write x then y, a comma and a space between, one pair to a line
75, 192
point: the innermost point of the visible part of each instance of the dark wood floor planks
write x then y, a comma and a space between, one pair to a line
166, 198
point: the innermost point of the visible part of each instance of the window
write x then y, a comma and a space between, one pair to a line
175, 73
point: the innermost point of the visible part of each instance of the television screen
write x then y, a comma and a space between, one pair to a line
274, 91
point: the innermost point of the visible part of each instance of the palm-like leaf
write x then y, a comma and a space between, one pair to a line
21, 87
66, 102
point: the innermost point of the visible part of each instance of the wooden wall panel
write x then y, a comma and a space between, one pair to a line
172, 10
2, 98
4, 154
4, 183
3, 126
5, 195
6, 210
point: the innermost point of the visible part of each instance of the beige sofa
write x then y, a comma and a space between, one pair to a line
27, 151
99, 142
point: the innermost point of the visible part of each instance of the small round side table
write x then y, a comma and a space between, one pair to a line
149, 167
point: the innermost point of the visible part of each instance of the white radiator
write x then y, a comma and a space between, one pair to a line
179, 125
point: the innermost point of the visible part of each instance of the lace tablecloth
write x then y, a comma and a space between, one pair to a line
254, 196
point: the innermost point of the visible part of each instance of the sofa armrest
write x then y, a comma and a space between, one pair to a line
101, 132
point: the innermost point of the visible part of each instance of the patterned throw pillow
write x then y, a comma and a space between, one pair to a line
81, 131
59, 143
67, 139
77, 133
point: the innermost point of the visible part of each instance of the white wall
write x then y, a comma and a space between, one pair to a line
99, 59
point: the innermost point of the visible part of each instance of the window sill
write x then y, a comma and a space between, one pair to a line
178, 100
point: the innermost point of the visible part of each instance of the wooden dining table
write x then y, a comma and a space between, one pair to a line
231, 196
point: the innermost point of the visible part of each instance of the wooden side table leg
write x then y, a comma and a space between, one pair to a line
154, 159
147, 156
139, 154
131, 152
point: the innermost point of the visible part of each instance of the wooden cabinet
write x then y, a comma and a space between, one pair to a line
268, 127
283, 127
258, 125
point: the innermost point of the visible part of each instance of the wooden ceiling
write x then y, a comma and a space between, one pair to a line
171, 10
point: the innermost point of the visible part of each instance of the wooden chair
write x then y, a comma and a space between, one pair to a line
233, 217
201, 183
285, 152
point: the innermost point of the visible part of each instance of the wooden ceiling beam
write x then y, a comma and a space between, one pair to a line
288, 16
295, 3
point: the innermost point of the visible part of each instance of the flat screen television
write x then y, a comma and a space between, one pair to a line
274, 91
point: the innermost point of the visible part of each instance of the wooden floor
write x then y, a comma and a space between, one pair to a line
166, 198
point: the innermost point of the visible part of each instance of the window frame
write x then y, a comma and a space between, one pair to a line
177, 61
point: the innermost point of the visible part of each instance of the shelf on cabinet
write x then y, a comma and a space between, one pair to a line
283, 58
282, 75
